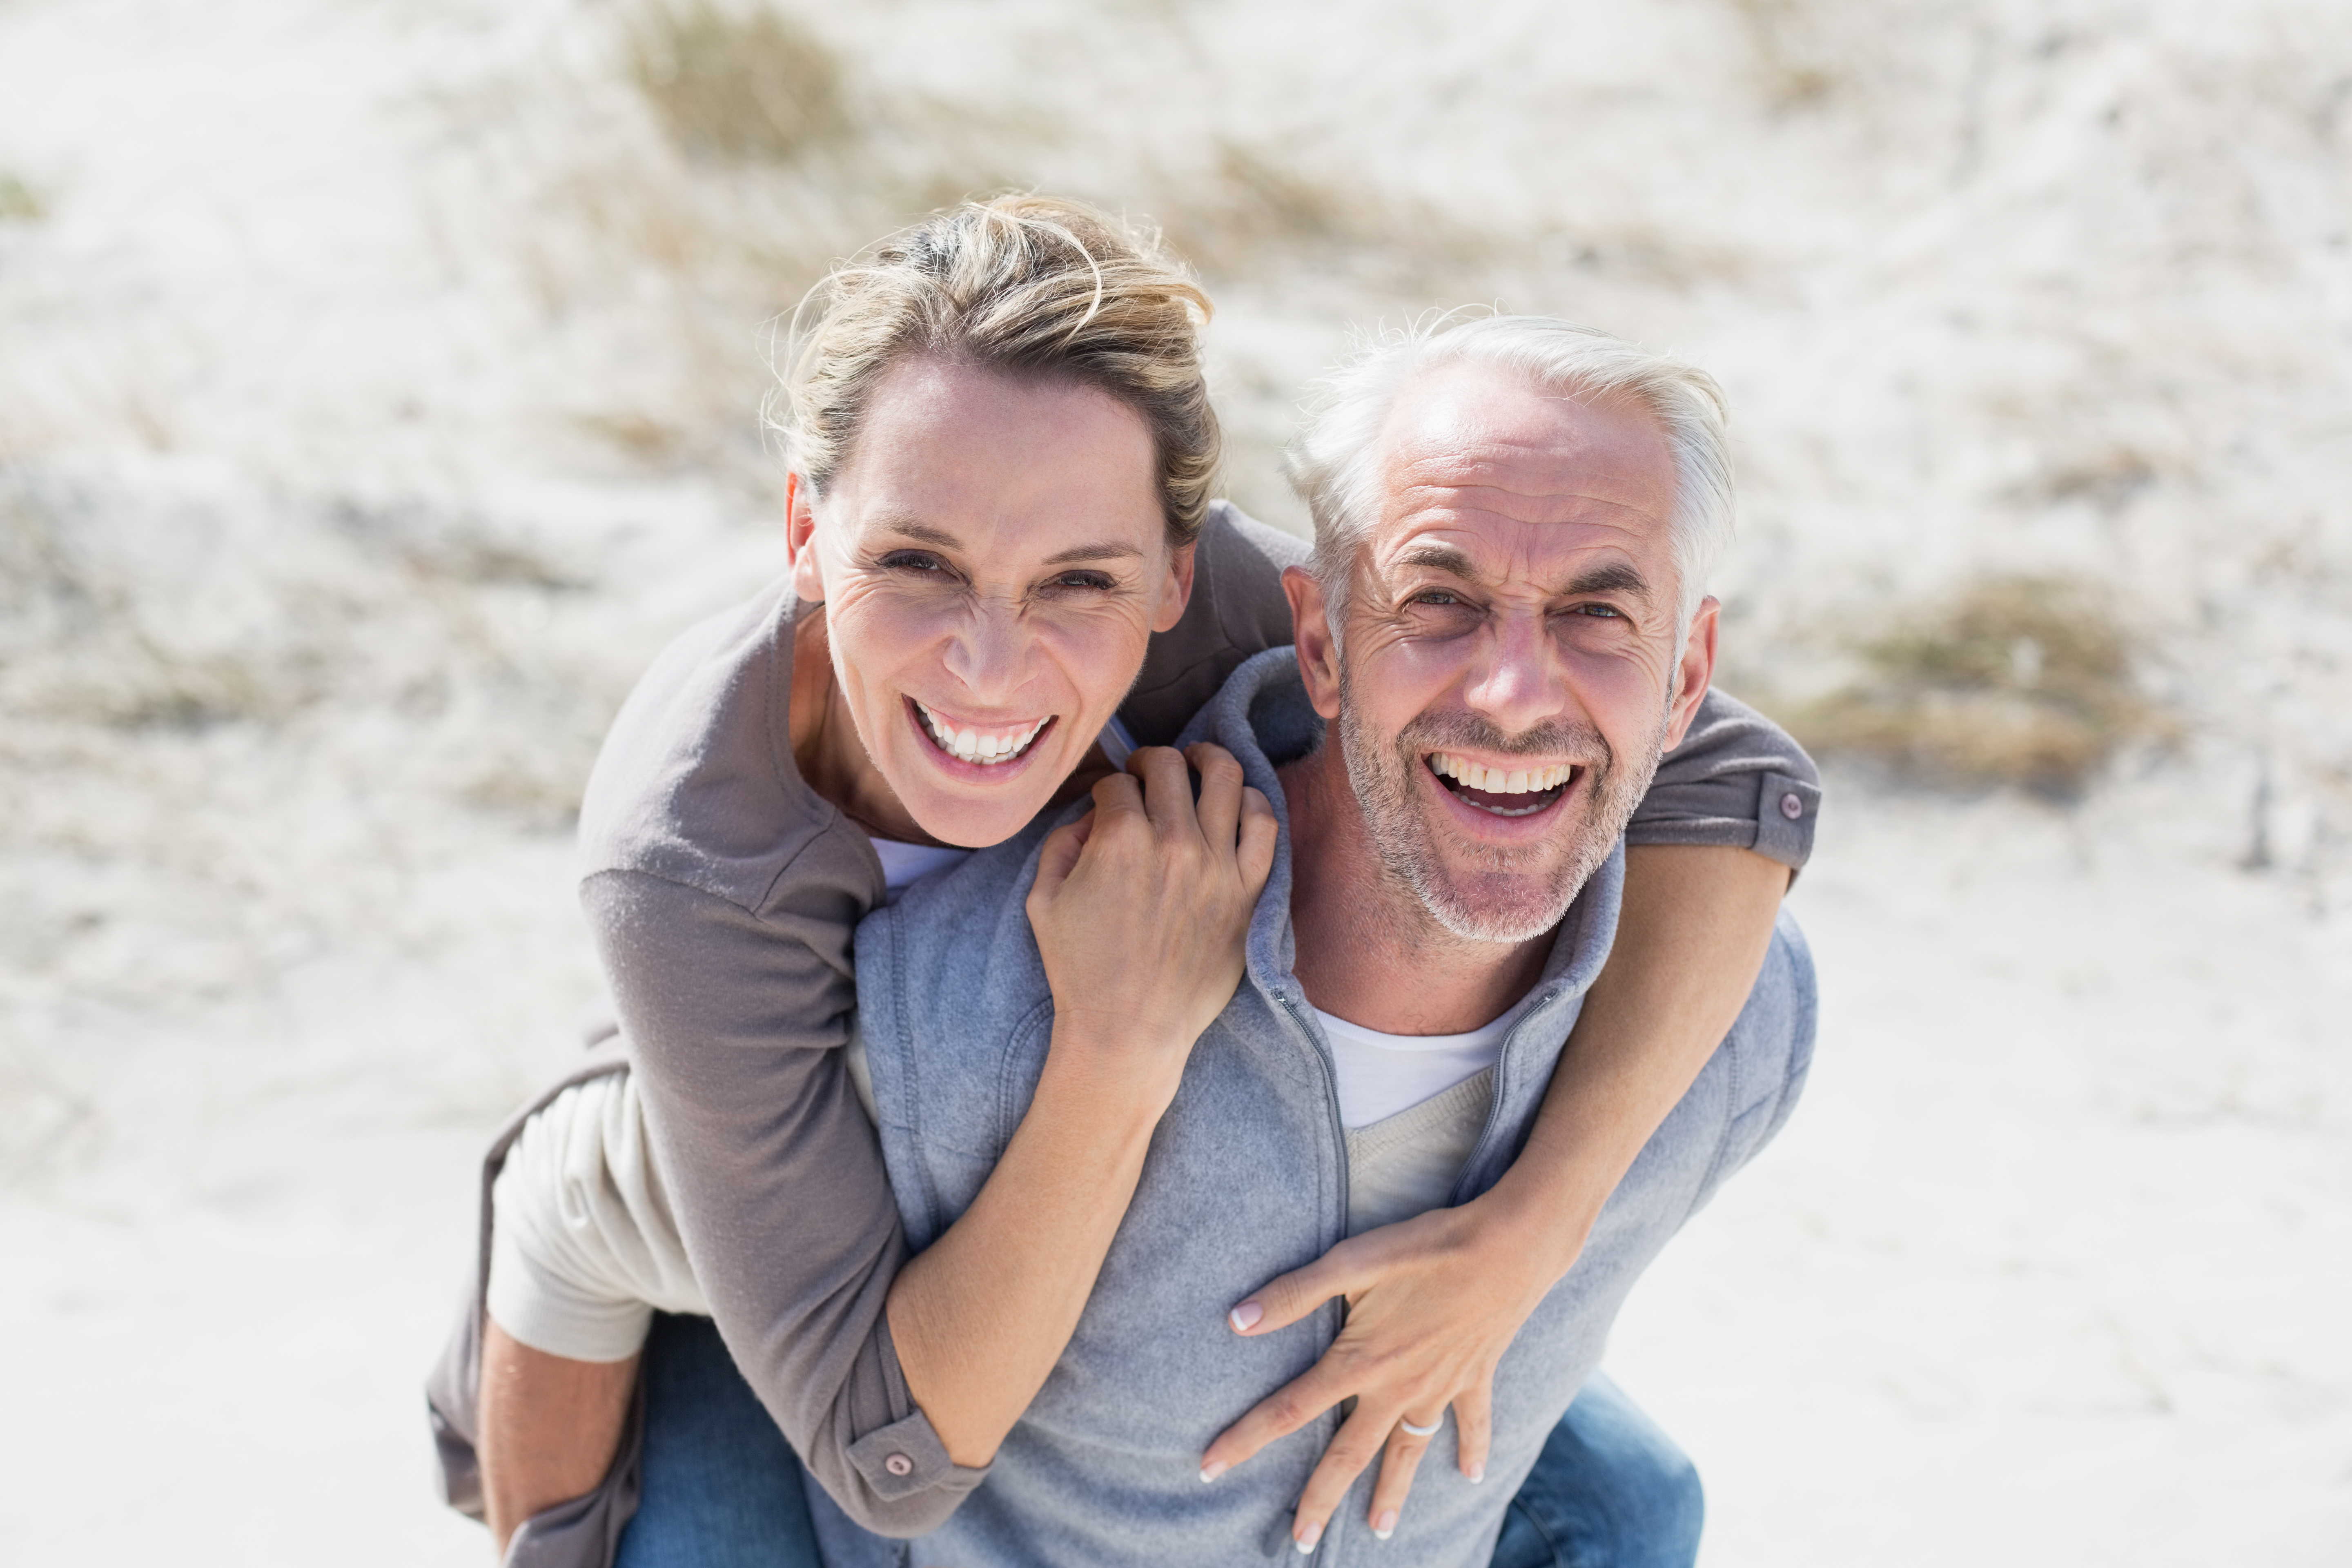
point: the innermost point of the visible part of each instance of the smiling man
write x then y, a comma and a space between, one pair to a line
1503, 630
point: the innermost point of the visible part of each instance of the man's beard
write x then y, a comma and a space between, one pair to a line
1499, 895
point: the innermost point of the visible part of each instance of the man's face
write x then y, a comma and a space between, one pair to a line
1509, 671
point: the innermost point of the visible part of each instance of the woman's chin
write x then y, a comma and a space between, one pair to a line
974, 824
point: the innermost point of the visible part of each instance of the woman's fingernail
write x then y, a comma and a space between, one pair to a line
1385, 1525
1213, 1469
1478, 1474
1244, 1317
1305, 1539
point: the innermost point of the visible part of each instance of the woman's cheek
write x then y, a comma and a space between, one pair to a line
1099, 656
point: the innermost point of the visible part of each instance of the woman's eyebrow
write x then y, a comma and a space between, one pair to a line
1107, 550
922, 532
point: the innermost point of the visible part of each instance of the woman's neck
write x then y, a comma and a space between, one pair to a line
825, 748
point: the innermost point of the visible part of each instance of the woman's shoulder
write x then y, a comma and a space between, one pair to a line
695, 782
1237, 610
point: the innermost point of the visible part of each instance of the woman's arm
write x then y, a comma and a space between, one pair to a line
1696, 923
981, 1316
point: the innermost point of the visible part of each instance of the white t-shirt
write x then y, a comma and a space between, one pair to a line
1381, 1075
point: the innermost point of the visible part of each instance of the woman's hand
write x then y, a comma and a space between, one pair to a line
1433, 1303
1142, 908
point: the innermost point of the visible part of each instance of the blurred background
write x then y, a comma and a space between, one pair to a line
379, 390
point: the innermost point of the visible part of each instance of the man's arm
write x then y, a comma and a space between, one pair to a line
550, 1427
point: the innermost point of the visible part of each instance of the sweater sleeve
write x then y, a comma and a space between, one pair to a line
736, 1019
1738, 779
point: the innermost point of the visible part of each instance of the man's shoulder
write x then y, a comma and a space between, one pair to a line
955, 950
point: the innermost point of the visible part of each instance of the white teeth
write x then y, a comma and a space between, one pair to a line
970, 746
1497, 781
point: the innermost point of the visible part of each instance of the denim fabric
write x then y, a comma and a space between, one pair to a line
722, 1488
1610, 1491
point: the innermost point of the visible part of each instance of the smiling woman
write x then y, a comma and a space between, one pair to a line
992, 560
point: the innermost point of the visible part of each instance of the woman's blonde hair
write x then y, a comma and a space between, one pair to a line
1028, 286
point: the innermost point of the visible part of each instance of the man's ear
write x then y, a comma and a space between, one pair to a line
1178, 593
1310, 628
1695, 671
800, 540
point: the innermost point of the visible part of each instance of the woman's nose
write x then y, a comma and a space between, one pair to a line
988, 654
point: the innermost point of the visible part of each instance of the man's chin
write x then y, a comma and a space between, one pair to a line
1499, 907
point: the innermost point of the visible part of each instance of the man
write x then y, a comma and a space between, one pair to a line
1502, 630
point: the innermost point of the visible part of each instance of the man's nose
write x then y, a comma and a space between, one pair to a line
1516, 679
988, 652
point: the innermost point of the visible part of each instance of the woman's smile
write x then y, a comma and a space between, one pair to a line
979, 744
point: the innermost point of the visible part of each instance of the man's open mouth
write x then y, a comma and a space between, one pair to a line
987, 745
1504, 791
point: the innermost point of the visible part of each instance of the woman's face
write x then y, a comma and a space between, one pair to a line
993, 558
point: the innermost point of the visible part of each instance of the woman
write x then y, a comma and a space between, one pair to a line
1001, 449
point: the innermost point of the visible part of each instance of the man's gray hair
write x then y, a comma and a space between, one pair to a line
1334, 462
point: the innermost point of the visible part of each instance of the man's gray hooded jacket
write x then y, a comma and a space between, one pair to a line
1247, 1178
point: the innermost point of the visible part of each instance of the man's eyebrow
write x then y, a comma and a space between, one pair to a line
1441, 558
1618, 577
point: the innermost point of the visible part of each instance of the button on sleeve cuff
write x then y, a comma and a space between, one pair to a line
906, 1458
1786, 810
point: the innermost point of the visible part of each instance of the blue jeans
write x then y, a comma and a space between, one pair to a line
723, 1491
722, 1488
1608, 1490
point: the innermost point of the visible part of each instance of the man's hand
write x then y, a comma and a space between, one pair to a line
1433, 1303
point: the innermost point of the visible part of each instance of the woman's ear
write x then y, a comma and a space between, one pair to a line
1179, 590
1310, 628
800, 540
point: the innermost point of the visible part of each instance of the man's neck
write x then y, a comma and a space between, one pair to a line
1368, 951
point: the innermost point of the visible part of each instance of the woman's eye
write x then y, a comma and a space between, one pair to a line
914, 561
1095, 581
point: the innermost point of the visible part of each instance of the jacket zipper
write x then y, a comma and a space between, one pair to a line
1332, 1533
1331, 1099
1495, 1100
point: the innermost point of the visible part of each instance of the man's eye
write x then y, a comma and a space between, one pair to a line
1436, 597
1598, 612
